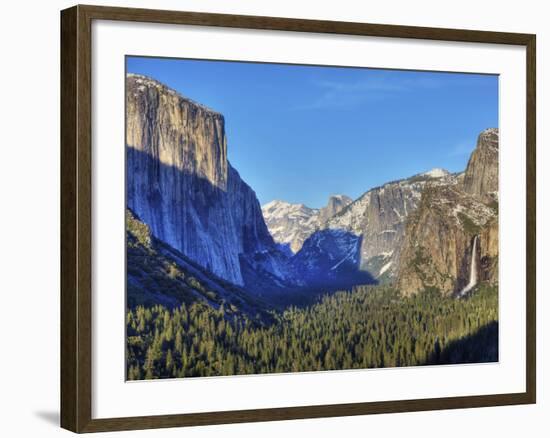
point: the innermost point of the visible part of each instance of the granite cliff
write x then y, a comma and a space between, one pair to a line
481, 176
440, 236
365, 237
335, 204
180, 183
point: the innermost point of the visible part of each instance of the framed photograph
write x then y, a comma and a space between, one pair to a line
270, 218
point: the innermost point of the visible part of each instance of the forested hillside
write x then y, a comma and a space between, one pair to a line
372, 326
159, 274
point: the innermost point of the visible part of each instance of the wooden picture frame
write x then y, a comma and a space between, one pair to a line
76, 217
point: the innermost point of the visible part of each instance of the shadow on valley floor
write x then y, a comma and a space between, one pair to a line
329, 261
478, 347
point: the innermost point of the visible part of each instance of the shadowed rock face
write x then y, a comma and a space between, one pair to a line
331, 259
375, 222
379, 217
180, 183
438, 245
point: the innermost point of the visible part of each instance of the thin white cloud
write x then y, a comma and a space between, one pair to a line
347, 95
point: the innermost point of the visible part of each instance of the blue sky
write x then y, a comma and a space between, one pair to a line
302, 133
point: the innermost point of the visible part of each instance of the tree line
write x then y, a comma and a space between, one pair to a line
369, 327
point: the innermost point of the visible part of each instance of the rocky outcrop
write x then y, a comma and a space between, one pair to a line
481, 176
439, 239
335, 204
379, 217
489, 254
437, 249
175, 130
181, 185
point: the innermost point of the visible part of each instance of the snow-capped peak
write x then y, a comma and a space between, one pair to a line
282, 208
275, 203
290, 224
436, 172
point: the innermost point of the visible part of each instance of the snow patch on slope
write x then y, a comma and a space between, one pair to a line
436, 172
385, 268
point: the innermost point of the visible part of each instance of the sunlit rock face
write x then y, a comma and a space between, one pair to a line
481, 176
379, 217
439, 239
180, 183
365, 235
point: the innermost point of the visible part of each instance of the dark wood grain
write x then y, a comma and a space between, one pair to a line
531, 217
299, 25
76, 219
84, 217
69, 329
296, 413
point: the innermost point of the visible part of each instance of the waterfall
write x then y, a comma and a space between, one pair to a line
473, 271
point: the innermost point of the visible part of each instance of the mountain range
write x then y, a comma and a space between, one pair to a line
415, 233
291, 224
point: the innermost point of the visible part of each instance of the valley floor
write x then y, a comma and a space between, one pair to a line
369, 327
